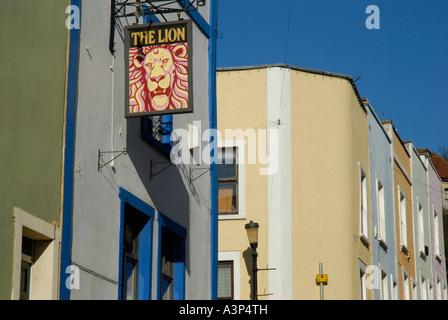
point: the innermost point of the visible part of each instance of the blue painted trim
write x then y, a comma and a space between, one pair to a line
145, 245
213, 124
179, 264
197, 18
148, 18
69, 155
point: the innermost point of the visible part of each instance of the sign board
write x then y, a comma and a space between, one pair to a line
158, 68
322, 278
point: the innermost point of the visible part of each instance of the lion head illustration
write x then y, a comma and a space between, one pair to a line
158, 78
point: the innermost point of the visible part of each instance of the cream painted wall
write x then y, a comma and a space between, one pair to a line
242, 104
329, 138
328, 134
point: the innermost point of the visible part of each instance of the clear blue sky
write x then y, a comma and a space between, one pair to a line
403, 65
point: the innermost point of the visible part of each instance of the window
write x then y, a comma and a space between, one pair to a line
225, 280
446, 198
421, 232
406, 287
363, 206
36, 258
362, 281
167, 255
156, 130
424, 289
384, 286
381, 212
403, 221
25, 273
171, 268
135, 253
436, 237
229, 284
414, 290
227, 181
439, 289
394, 288
134, 222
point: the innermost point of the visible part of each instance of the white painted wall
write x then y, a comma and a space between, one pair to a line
279, 184
101, 126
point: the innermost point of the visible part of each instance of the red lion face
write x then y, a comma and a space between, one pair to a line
158, 78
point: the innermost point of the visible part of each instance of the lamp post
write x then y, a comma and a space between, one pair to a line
252, 234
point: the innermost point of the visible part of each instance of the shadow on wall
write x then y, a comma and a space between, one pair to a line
247, 256
167, 190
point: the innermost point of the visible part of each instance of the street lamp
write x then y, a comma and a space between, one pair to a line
252, 234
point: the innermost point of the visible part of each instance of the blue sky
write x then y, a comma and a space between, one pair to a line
403, 65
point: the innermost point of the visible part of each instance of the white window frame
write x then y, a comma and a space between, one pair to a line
403, 219
381, 212
406, 286
240, 145
235, 257
438, 289
394, 286
421, 229
363, 205
436, 235
44, 282
384, 286
423, 288
414, 289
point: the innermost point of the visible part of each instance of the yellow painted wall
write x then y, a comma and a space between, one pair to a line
241, 97
330, 137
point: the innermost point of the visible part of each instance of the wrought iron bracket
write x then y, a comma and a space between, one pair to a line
100, 157
152, 174
193, 169
128, 8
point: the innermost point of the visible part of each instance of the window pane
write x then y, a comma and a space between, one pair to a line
167, 284
227, 197
130, 289
225, 281
25, 279
227, 164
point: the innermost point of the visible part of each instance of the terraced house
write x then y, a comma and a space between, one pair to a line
301, 132
313, 132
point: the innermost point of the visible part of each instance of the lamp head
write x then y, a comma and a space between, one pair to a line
252, 233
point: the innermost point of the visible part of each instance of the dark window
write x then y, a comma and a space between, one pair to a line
171, 255
156, 130
26, 265
227, 181
134, 221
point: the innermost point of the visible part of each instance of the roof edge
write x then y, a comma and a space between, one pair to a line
308, 70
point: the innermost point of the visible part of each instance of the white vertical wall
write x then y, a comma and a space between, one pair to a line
279, 183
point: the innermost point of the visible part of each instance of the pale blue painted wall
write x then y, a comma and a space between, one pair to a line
381, 168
